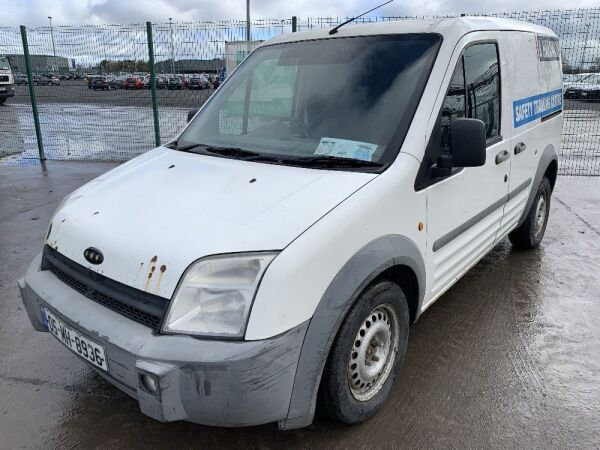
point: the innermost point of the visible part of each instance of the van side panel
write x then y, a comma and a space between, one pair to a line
530, 94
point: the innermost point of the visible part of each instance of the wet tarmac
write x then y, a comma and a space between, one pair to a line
508, 358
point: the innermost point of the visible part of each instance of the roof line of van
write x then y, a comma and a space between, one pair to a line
455, 27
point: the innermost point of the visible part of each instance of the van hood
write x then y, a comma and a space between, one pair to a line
156, 214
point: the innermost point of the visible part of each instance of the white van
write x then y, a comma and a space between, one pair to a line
274, 255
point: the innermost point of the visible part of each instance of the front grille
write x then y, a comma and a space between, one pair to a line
4, 78
139, 306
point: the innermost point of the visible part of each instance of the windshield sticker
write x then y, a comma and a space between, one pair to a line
535, 107
343, 148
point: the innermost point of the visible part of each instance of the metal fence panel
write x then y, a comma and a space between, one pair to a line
16, 120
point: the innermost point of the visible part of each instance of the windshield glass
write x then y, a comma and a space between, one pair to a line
349, 98
4, 65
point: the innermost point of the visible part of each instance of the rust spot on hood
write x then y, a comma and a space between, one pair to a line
150, 272
163, 268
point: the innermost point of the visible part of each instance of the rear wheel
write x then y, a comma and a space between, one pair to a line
367, 354
530, 234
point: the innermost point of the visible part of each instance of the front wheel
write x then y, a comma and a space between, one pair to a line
367, 354
530, 234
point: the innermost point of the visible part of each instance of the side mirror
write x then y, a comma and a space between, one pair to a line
193, 112
468, 142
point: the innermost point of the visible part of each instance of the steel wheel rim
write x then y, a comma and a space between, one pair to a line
540, 214
373, 352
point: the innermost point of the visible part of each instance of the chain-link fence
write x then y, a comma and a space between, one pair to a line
93, 83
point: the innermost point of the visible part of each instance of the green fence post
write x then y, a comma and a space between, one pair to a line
294, 24
153, 83
34, 109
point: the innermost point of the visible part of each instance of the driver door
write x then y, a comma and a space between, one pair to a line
464, 209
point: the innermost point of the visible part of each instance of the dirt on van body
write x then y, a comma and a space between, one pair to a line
509, 357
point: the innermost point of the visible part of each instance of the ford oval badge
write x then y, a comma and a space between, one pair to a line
93, 255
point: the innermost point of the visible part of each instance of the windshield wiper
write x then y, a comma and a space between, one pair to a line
322, 161
235, 152
330, 161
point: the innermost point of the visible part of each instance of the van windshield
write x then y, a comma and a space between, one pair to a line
334, 101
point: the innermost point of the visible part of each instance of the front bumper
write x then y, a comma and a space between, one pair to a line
211, 382
7, 90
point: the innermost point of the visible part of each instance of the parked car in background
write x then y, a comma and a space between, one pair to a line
133, 83
89, 79
587, 88
162, 82
46, 79
570, 77
199, 83
101, 83
7, 80
175, 83
116, 82
21, 78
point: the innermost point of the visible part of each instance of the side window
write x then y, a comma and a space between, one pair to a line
454, 105
474, 92
482, 79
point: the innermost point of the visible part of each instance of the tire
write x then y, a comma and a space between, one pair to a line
531, 232
2, 100
348, 362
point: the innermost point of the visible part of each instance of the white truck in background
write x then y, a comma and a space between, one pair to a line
7, 80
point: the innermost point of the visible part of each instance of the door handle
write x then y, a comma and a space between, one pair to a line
502, 156
520, 148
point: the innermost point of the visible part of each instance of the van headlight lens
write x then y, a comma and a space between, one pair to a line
215, 295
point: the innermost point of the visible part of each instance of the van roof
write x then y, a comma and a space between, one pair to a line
453, 28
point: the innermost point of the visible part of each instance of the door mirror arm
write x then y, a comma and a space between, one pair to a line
443, 166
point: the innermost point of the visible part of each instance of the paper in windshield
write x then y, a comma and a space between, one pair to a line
343, 148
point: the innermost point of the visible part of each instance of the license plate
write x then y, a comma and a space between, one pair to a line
84, 347
584, 94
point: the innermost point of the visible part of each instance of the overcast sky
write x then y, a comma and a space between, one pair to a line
74, 12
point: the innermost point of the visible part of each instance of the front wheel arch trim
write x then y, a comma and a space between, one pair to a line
365, 266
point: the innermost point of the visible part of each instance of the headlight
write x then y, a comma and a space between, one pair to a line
215, 295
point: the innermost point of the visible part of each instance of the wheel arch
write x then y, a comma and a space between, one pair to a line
552, 172
395, 257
